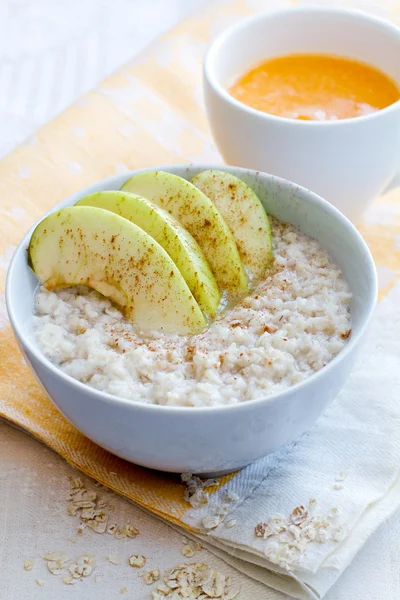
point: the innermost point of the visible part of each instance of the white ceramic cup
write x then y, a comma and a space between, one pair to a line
348, 162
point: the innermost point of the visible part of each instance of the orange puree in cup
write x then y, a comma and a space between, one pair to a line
315, 87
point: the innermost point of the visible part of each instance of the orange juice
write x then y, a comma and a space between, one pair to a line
315, 87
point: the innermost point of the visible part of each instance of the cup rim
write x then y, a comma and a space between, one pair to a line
101, 396
218, 42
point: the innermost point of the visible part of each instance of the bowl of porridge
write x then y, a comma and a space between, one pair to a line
200, 351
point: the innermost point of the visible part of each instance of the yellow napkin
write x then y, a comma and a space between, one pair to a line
149, 113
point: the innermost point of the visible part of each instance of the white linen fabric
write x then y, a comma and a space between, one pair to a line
349, 462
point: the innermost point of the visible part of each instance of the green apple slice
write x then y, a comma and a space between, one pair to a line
83, 245
201, 218
169, 233
245, 216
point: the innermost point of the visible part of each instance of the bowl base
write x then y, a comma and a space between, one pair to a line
213, 474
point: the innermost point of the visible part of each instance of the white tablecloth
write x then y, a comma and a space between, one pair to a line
50, 53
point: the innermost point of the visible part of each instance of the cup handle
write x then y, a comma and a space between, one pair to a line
393, 184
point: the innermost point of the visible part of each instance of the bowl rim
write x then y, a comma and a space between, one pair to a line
219, 41
110, 399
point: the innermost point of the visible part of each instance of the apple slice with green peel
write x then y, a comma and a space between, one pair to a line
245, 216
201, 218
169, 233
83, 245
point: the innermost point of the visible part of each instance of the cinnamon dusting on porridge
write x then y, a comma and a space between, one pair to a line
293, 324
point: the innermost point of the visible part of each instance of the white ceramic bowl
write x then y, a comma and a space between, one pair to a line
220, 439
348, 162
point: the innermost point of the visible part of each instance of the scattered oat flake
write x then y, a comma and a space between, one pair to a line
321, 536
188, 551
131, 531
151, 576
341, 476
211, 522
276, 526
55, 567
260, 528
111, 529
309, 533
299, 514
88, 513
214, 586
287, 537
72, 510
195, 493
198, 499
231, 496
28, 564
56, 556
114, 559
210, 482
340, 533
98, 525
40, 582
163, 589
338, 486
90, 509
69, 580
120, 533
194, 580
83, 566
137, 560
76, 482
221, 509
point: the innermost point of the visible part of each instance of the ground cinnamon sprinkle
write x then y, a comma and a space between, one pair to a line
295, 321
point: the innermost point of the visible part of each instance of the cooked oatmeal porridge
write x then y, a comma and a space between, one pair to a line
292, 325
